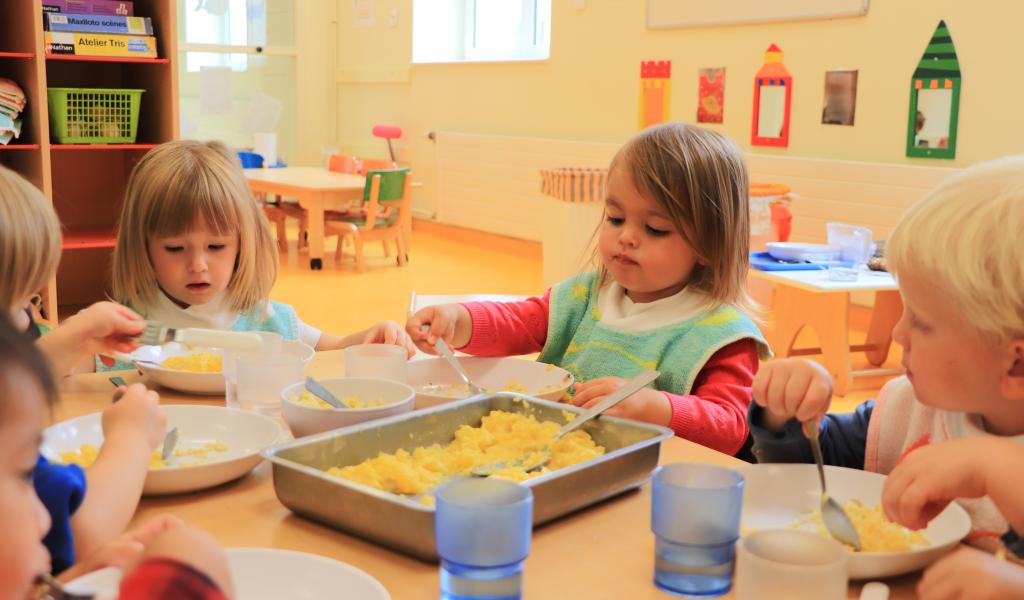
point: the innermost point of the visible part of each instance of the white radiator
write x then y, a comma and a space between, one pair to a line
492, 183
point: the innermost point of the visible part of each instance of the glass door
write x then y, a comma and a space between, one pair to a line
237, 73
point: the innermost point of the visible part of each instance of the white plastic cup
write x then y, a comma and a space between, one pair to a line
377, 361
783, 564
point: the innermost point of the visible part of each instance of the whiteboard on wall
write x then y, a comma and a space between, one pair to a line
664, 14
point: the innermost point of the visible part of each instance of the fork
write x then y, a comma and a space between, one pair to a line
158, 334
47, 587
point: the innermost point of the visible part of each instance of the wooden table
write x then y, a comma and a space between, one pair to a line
316, 190
810, 299
605, 551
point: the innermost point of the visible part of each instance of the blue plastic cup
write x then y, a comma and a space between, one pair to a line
695, 516
483, 537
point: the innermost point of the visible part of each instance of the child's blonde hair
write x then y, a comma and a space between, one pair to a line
29, 240
174, 187
965, 238
699, 178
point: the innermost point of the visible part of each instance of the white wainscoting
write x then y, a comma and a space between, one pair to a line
492, 183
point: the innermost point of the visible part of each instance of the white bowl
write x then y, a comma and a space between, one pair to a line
307, 420
244, 433
798, 251
492, 374
266, 574
193, 382
776, 495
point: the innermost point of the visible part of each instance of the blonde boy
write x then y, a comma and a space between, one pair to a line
959, 260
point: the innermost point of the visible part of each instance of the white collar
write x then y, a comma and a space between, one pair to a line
215, 314
619, 311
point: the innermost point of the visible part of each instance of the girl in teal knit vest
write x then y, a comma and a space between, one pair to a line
193, 250
669, 294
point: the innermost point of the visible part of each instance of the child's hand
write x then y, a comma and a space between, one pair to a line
124, 549
449, 322
137, 413
971, 574
389, 332
191, 547
929, 478
792, 388
106, 327
647, 404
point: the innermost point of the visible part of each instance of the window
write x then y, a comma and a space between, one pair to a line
480, 30
223, 23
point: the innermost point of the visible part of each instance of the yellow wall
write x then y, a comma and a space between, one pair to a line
588, 88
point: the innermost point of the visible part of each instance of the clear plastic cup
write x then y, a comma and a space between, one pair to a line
483, 538
262, 378
271, 345
377, 361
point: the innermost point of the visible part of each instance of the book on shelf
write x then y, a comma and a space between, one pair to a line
68, 43
124, 8
12, 102
99, 24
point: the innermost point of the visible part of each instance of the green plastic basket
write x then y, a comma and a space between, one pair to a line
93, 116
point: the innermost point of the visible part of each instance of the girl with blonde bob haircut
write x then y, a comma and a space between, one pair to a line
172, 188
193, 250
668, 294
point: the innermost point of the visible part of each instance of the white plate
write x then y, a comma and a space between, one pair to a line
193, 382
244, 433
489, 373
776, 495
268, 574
795, 251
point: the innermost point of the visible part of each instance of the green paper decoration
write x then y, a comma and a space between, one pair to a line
935, 99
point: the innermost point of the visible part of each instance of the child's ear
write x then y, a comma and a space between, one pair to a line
1013, 380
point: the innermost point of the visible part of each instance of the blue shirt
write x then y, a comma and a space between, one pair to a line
843, 438
61, 488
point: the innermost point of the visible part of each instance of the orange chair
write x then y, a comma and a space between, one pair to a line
388, 209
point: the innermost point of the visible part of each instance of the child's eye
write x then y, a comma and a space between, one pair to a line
217, 246
173, 249
916, 324
657, 232
616, 220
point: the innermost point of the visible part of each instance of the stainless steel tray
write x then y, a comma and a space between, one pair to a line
406, 525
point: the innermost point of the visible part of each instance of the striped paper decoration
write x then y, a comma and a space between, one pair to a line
574, 184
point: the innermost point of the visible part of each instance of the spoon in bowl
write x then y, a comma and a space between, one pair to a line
446, 352
837, 522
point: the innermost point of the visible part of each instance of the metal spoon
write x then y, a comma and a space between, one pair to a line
446, 352
170, 441
317, 389
837, 522
541, 457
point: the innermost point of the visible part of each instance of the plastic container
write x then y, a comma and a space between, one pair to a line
94, 116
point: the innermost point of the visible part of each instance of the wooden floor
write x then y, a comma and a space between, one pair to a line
448, 260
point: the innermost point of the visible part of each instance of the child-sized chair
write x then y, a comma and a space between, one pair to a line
277, 210
387, 203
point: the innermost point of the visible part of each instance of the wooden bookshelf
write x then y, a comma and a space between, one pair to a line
86, 183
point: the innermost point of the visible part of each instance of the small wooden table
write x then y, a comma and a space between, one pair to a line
811, 299
316, 190
602, 552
